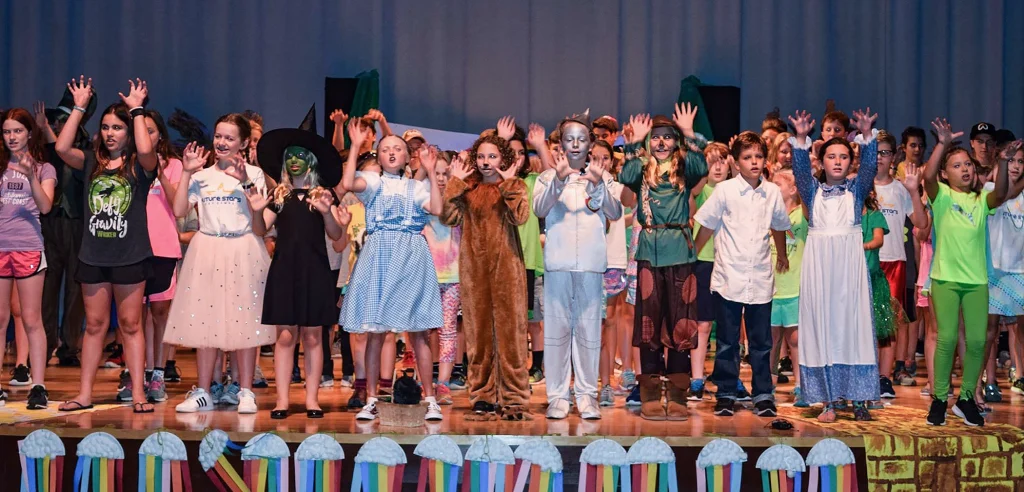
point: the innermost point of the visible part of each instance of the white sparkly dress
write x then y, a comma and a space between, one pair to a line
219, 302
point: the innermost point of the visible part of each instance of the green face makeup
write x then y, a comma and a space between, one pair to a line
296, 160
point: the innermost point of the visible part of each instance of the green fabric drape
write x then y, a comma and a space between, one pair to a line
367, 96
689, 93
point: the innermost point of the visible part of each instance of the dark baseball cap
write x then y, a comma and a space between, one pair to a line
1003, 136
983, 128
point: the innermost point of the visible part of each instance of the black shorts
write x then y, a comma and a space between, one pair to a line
705, 301
910, 305
118, 275
530, 276
161, 275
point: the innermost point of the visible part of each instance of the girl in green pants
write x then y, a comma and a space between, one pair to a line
959, 274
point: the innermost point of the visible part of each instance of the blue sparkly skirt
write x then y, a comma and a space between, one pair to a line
219, 301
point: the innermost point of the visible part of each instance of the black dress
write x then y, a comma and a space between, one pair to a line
300, 285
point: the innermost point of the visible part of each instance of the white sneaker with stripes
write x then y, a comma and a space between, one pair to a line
197, 400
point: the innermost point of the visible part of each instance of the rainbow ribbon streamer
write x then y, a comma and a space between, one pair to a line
271, 475
42, 474
601, 478
836, 478
438, 476
651, 477
780, 481
500, 477
719, 478
224, 476
540, 481
103, 474
375, 477
160, 475
314, 476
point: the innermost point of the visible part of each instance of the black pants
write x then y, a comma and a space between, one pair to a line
62, 238
727, 354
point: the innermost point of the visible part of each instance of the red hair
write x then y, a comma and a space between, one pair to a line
35, 140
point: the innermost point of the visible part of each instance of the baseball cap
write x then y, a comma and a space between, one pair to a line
983, 128
413, 133
1003, 136
608, 122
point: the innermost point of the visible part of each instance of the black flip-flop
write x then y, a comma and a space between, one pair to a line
72, 402
141, 405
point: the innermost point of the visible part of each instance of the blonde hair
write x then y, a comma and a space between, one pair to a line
786, 176
285, 186
773, 148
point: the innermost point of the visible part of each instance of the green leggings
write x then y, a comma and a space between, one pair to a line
948, 300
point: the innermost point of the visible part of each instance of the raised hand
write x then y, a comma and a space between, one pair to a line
357, 133
510, 172
257, 202
944, 132
912, 178
640, 125
536, 136
375, 115
595, 172
194, 157
136, 94
863, 121
562, 168
81, 91
461, 168
428, 159
321, 202
802, 123
506, 127
1010, 150
339, 117
342, 215
22, 163
236, 169
683, 118
39, 111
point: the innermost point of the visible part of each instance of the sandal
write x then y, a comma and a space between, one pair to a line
140, 407
66, 406
827, 416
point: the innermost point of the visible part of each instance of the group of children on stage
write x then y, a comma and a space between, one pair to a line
557, 244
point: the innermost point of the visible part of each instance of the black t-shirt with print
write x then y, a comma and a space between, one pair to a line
116, 232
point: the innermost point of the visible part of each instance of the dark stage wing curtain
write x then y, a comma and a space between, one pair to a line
458, 65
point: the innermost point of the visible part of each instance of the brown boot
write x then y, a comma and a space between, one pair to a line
651, 407
678, 385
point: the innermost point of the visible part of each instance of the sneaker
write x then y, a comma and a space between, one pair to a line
247, 402
258, 379
885, 387
116, 358
536, 376
799, 401
347, 381
358, 399
764, 408
21, 376
968, 410
69, 361
171, 374
1003, 360
110, 347
992, 394
197, 400
3, 397
912, 368
296, 375
588, 408
326, 382
458, 381
741, 392
782, 379
1012, 373
124, 388
216, 393
558, 409
861, 413
628, 379
369, 411
267, 351
156, 390
937, 412
725, 407
443, 394
1018, 386
696, 390
633, 400
230, 396
786, 366
607, 396
926, 391
433, 412
37, 398
905, 379
875, 405
336, 348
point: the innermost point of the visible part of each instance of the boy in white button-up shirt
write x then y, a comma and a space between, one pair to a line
742, 213
575, 201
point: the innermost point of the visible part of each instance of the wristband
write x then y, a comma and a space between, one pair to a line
79, 108
139, 111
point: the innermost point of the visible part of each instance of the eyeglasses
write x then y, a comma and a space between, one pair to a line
885, 153
366, 155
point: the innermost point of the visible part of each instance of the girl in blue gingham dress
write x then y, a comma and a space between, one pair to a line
394, 285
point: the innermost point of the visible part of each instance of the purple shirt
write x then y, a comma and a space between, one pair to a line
19, 216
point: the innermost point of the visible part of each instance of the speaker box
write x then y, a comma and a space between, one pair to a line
338, 94
722, 106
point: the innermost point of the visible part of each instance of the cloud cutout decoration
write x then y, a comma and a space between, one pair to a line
263, 446
381, 450
42, 443
441, 448
490, 450
781, 457
603, 452
721, 452
100, 445
211, 448
830, 452
650, 450
542, 453
165, 445
319, 447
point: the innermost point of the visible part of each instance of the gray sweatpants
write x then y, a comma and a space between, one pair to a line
572, 332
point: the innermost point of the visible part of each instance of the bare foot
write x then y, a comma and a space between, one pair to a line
827, 416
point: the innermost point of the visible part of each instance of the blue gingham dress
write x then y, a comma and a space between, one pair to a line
394, 285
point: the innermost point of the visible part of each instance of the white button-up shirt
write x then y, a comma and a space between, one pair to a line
743, 219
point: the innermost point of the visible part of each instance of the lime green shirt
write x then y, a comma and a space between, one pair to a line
960, 228
529, 233
871, 221
708, 253
787, 285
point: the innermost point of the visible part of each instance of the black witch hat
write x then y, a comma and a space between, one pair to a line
270, 150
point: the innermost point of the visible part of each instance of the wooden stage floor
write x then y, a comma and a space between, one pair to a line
619, 422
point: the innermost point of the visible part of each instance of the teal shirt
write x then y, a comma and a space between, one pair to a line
873, 220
